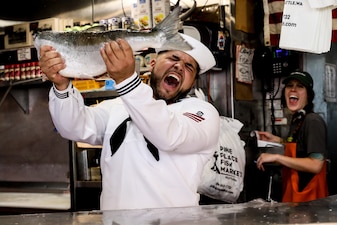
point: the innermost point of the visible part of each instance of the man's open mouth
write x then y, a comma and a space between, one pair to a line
172, 80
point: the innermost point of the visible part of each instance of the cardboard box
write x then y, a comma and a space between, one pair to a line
144, 14
66, 23
54, 24
18, 36
160, 9
48, 24
21, 35
134, 15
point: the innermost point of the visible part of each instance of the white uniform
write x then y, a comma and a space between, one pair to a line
185, 134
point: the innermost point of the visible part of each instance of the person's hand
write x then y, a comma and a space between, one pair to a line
266, 158
119, 59
267, 136
51, 63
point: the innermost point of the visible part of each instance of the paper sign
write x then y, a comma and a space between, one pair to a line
24, 54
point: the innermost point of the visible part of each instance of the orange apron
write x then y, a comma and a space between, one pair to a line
316, 188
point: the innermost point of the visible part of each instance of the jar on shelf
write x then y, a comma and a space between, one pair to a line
11, 72
17, 72
95, 169
23, 71
28, 71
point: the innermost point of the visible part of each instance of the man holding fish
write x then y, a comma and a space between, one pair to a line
156, 139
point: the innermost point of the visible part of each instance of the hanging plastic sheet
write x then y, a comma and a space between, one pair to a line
307, 25
273, 11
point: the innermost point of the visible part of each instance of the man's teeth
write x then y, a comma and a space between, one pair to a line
175, 77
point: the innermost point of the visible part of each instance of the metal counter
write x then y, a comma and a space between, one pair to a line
322, 211
52, 201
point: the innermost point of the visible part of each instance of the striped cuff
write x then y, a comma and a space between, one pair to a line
129, 86
62, 94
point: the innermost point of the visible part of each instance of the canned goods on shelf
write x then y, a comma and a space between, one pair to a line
114, 23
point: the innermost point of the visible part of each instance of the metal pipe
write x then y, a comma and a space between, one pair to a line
92, 11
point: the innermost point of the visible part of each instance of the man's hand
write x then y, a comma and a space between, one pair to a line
51, 63
119, 59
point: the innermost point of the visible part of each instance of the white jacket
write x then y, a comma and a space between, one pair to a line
185, 134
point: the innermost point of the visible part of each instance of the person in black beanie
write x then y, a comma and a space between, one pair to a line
304, 159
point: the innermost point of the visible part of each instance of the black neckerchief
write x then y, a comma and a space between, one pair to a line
118, 136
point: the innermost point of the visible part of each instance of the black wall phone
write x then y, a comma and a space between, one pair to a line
268, 64
284, 62
274, 62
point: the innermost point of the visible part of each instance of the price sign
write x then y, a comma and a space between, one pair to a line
24, 54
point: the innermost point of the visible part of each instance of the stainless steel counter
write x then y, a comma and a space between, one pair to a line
57, 201
323, 211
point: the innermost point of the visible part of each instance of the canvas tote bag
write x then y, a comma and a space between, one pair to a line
223, 174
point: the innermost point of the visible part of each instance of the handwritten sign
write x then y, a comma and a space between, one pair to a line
244, 58
24, 54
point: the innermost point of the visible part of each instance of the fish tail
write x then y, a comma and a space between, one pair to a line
170, 28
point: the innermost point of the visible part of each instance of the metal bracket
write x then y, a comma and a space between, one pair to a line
21, 99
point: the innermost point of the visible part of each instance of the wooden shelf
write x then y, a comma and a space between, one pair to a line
86, 145
20, 94
88, 184
99, 94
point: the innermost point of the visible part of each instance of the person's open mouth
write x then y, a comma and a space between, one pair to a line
293, 99
172, 80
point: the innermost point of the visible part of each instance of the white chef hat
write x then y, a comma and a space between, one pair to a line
202, 55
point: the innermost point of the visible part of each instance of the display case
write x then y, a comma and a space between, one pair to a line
85, 176
85, 166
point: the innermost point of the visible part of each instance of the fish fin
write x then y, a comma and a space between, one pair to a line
170, 26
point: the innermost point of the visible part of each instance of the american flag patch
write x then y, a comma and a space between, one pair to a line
194, 117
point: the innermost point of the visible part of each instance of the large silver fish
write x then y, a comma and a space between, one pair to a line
81, 50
